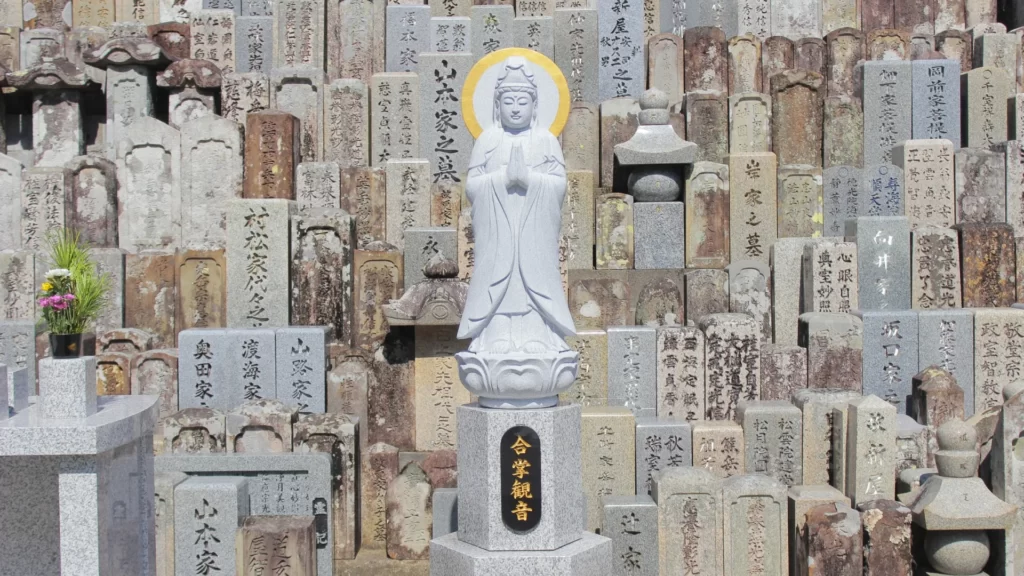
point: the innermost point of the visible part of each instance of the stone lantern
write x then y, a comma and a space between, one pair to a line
437, 300
651, 165
193, 86
956, 509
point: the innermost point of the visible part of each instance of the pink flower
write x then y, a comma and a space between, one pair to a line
60, 306
44, 302
69, 297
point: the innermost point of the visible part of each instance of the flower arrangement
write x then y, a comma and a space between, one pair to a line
73, 294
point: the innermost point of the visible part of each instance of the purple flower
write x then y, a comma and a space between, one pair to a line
69, 297
60, 306
44, 302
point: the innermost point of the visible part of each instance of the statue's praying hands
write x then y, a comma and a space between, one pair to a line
517, 173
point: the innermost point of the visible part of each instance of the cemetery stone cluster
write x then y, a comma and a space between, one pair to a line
792, 247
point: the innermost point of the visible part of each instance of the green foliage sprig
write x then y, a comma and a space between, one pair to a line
73, 294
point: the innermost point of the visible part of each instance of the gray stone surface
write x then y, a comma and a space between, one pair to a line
211, 175
407, 205
42, 210
149, 186
445, 508
18, 346
17, 290
796, 20
750, 293
984, 94
843, 189
67, 387
591, 554
753, 206
887, 119
946, 340
257, 255
632, 524
18, 389
773, 437
535, 33
817, 406
660, 443
207, 513
783, 371
408, 35
450, 34
883, 261
883, 191
254, 44
302, 367
676, 17
242, 94
980, 178
346, 118
800, 201
997, 340
787, 266
755, 527
204, 358
492, 29
278, 484
576, 50
657, 243
422, 244
830, 277
890, 355
690, 510
10, 196
936, 100
563, 514
622, 64
632, 368
300, 92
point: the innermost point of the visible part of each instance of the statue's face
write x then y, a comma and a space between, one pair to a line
516, 110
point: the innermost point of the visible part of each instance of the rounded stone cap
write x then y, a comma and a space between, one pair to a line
957, 435
653, 99
440, 267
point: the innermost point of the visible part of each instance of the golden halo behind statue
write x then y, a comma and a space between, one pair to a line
478, 91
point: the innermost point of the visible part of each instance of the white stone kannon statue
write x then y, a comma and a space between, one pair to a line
516, 311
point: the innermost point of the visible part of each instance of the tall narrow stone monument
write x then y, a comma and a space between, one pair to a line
521, 496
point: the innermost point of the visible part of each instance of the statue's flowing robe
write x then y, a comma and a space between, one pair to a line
518, 239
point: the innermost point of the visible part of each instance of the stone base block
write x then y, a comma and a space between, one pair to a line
67, 387
588, 556
561, 504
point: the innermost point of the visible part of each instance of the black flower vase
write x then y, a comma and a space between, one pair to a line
66, 345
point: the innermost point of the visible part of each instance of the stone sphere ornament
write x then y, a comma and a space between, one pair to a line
515, 102
958, 552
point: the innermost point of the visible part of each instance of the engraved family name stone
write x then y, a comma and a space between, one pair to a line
745, 64
318, 185
42, 206
835, 344
299, 34
830, 277
578, 220
408, 35
928, 181
843, 187
689, 513
680, 372
17, 285
987, 91
609, 441
201, 288
378, 277
351, 28
718, 447
890, 355
998, 337
750, 292
576, 45
254, 44
883, 261
883, 191
632, 524
936, 95
660, 443
843, 130
408, 198
614, 236
707, 216
445, 141
362, 196
800, 201
632, 367
243, 94
346, 117
753, 210
707, 124
621, 50
321, 270
213, 37
301, 367
750, 123
204, 359
591, 385
935, 278
271, 154
492, 29
395, 113
887, 119
257, 253
870, 455
773, 434
207, 514
733, 353
946, 340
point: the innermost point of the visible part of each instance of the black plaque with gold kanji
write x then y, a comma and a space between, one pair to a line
520, 479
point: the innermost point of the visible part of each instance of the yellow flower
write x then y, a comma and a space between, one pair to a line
47, 286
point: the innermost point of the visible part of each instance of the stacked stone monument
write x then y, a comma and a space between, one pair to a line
521, 497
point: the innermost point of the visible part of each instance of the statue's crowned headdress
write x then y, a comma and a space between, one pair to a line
516, 77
